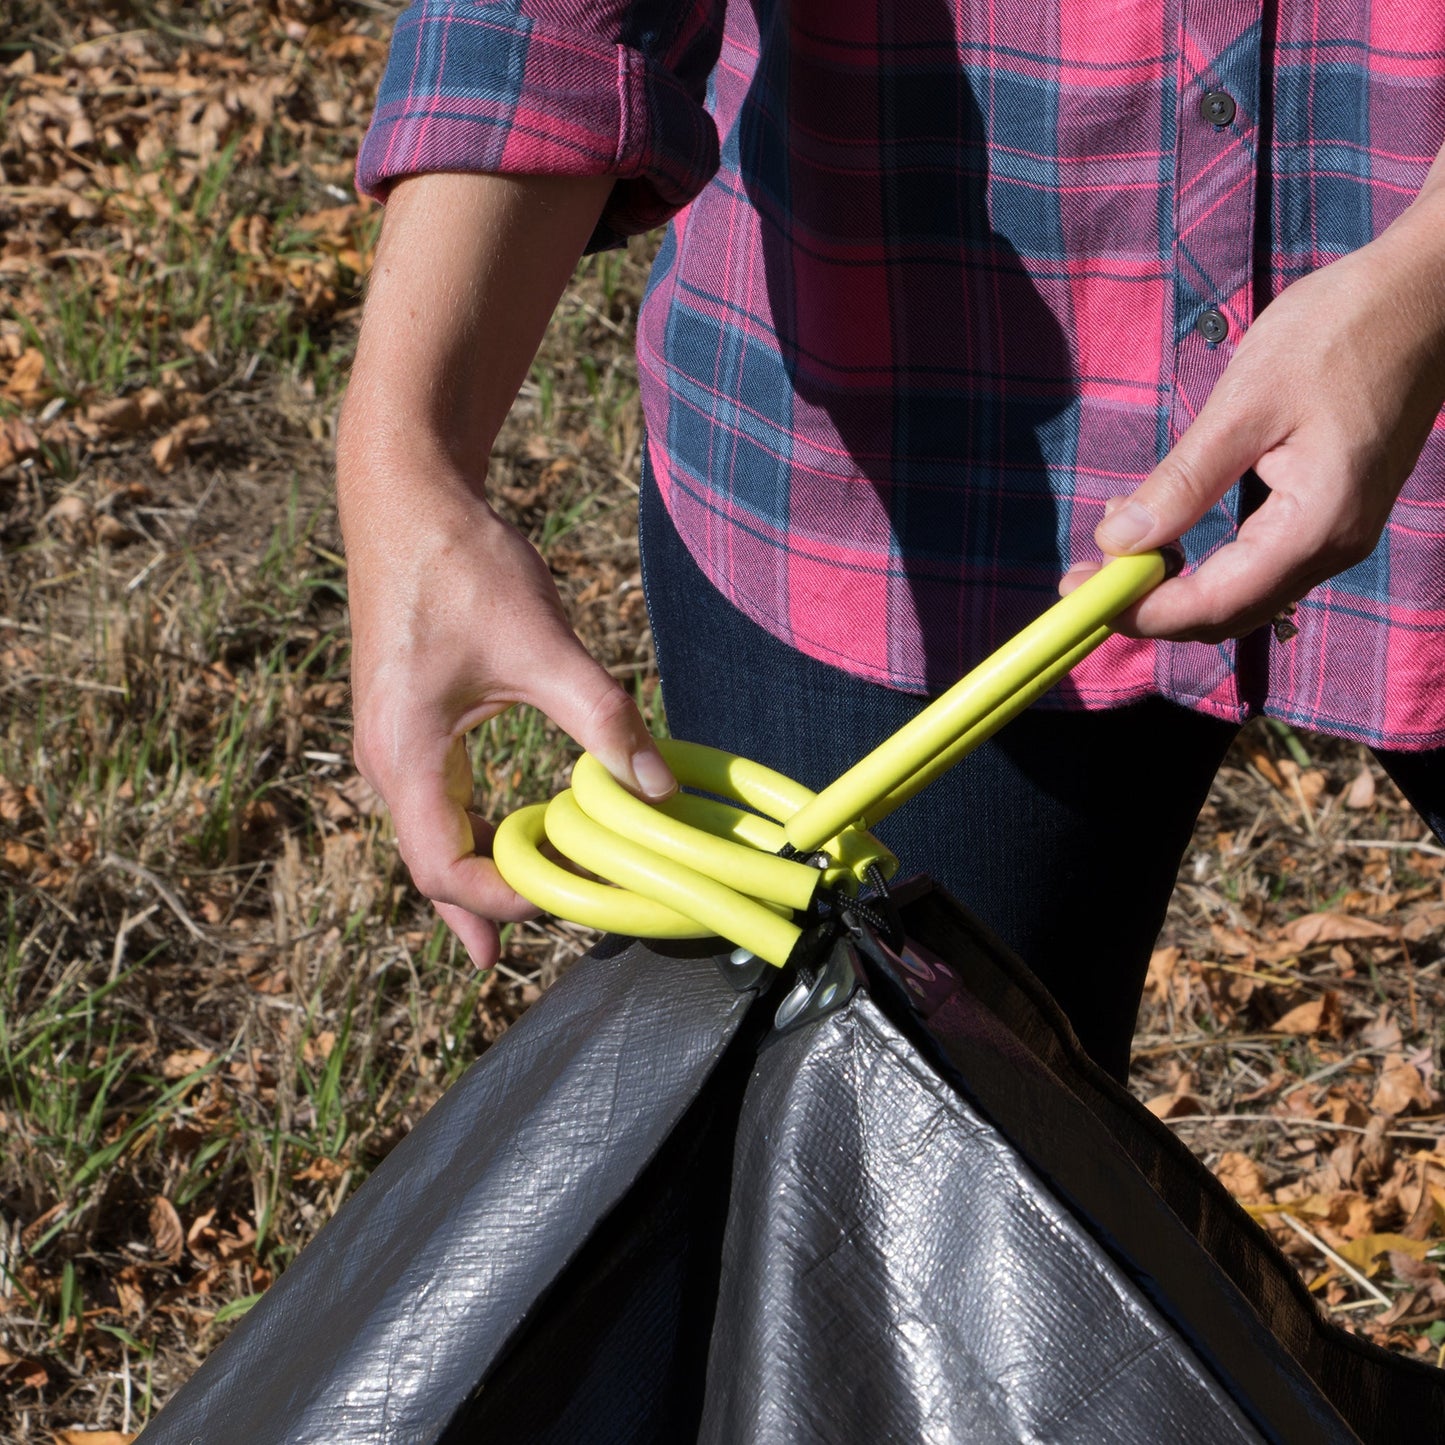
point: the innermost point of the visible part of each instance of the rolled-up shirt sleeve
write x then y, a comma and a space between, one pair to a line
553, 87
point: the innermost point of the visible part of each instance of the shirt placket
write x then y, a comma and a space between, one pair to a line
1218, 99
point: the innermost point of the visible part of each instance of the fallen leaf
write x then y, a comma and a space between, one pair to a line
93, 1437
1316, 928
27, 376
1363, 1251
172, 447
114, 532
1361, 792
1413, 1269
1240, 1175
1427, 923
166, 1230
1174, 1106
117, 417
1382, 1032
323, 1171
1161, 969
1262, 761
198, 337
185, 1061
1400, 1086
69, 514
18, 441
1318, 1016
21, 1371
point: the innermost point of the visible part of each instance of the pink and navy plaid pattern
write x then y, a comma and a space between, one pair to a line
931, 289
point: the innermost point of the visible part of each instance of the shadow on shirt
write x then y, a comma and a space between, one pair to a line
912, 336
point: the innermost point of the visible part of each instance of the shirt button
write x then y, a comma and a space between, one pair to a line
1217, 107
1212, 326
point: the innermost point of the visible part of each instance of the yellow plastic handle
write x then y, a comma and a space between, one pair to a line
666, 864
978, 704
516, 850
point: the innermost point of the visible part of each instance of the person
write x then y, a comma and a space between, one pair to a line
950, 293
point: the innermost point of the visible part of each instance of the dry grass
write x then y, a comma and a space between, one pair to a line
221, 1002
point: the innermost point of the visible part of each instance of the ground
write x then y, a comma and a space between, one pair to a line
221, 1001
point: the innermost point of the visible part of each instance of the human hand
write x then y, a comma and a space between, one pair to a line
1329, 399
454, 619
454, 615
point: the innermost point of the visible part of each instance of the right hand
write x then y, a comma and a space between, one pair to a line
454, 620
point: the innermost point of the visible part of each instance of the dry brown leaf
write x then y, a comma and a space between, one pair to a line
1318, 1016
1161, 969
27, 377
1400, 1086
1361, 792
1316, 928
117, 417
334, 222
1413, 1269
93, 1437
1174, 1106
166, 1231
172, 447
128, 1292
19, 1370
1231, 942
323, 1171
1241, 1176
351, 799
1377, 1153
198, 337
1363, 1251
1425, 923
185, 1061
1382, 1032
18, 441
114, 532
1265, 764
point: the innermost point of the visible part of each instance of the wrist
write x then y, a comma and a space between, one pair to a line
1414, 246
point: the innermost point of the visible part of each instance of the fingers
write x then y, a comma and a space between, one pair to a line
1292, 543
446, 848
479, 936
427, 780
583, 699
1233, 431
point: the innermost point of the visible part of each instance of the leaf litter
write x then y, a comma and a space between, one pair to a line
213, 944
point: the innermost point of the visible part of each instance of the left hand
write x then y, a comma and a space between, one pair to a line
1329, 398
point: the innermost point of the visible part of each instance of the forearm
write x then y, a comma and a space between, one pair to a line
468, 272
454, 615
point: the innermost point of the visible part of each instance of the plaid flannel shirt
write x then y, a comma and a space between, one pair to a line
942, 276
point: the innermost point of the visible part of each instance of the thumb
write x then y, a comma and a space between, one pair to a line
593, 709
1224, 441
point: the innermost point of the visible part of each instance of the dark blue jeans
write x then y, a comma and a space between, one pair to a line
1063, 833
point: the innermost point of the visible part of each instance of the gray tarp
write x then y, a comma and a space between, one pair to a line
917, 1214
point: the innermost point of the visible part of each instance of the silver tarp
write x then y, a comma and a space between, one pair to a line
686, 1199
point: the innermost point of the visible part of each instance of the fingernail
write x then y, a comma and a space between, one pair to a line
1124, 528
652, 774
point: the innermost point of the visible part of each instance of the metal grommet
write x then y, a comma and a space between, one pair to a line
1217, 107
1212, 326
